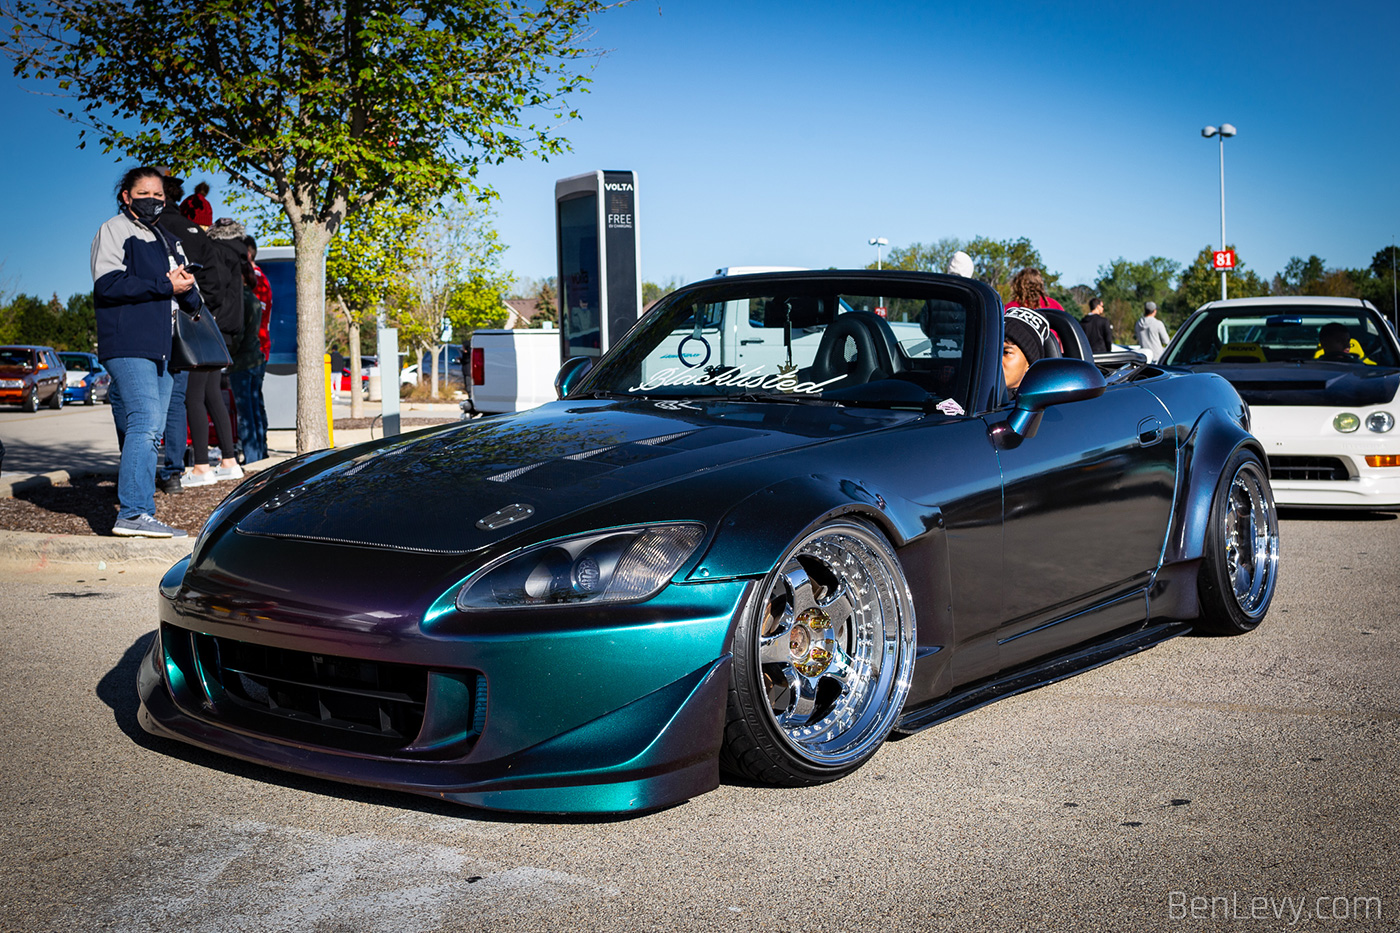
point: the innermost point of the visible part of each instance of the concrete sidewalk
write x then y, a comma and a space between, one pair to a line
32, 555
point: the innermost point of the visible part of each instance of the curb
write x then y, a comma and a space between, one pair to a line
23, 482
35, 553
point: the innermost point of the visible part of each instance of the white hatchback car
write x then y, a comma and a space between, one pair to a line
1320, 376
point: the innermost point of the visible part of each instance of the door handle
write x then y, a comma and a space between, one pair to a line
750, 340
1149, 432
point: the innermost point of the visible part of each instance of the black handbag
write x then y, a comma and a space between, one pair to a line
196, 345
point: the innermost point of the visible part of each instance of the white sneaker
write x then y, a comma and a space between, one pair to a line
191, 478
223, 473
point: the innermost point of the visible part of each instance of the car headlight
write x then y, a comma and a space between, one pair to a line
1380, 421
623, 565
1346, 422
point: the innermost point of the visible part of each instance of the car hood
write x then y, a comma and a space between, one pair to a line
14, 372
466, 486
1340, 385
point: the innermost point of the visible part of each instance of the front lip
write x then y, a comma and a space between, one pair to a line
558, 734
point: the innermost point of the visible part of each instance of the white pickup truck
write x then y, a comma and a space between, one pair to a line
511, 370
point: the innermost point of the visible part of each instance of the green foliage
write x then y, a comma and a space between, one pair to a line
654, 291
30, 319
546, 295
918, 257
1300, 277
1126, 287
1200, 283
995, 261
323, 107
370, 256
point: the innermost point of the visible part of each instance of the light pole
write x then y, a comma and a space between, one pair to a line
878, 242
1224, 130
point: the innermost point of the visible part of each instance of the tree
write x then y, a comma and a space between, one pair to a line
918, 257
370, 256
653, 292
323, 107
1200, 283
546, 295
1126, 287
1300, 277
995, 261
455, 277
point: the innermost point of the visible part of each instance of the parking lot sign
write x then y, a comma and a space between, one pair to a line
1224, 259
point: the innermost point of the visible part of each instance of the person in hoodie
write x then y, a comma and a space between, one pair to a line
204, 399
139, 283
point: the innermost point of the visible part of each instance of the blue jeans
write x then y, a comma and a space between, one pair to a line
176, 429
142, 388
247, 386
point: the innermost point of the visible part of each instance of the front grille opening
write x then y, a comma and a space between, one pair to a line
347, 703
1308, 468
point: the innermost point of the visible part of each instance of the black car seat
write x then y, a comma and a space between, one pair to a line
858, 345
1073, 342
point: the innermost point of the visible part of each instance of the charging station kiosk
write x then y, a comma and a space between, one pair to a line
600, 278
279, 264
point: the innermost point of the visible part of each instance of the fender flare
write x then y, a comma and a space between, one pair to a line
1208, 447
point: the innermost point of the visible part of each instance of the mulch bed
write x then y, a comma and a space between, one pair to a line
88, 504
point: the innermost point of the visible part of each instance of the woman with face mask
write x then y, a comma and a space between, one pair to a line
139, 282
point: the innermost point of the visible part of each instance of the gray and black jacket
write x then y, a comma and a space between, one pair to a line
132, 295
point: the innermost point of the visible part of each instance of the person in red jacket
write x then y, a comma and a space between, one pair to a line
1028, 291
196, 206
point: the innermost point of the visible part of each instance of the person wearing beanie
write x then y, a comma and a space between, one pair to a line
196, 207
1026, 333
961, 264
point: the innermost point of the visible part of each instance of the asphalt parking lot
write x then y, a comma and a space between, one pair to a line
1244, 784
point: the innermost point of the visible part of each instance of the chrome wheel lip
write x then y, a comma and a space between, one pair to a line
1251, 540
873, 664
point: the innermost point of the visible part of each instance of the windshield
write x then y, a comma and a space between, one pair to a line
826, 340
1261, 334
12, 357
76, 362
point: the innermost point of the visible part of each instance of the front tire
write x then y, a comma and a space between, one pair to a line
822, 660
1240, 573
31, 401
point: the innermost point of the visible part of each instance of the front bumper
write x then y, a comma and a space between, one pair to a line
1313, 464
615, 714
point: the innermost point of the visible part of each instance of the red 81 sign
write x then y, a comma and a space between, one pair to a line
1224, 259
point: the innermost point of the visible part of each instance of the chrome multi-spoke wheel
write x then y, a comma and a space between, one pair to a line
1242, 549
823, 661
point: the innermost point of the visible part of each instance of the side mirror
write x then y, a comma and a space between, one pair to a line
573, 370
1049, 382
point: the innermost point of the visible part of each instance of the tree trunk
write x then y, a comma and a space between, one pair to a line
433, 370
352, 332
311, 240
357, 398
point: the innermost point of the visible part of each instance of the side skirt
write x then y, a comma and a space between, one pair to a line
1039, 674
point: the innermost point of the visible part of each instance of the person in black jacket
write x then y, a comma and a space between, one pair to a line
139, 282
1097, 327
204, 401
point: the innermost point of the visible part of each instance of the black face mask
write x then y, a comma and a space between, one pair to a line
147, 209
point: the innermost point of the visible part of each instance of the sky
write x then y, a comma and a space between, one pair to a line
791, 133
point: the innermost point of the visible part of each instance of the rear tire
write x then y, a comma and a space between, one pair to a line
1240, 572
822, 660
56, 400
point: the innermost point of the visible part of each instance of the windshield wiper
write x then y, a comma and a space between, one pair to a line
786, 399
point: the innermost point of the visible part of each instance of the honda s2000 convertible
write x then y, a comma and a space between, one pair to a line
761, 556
